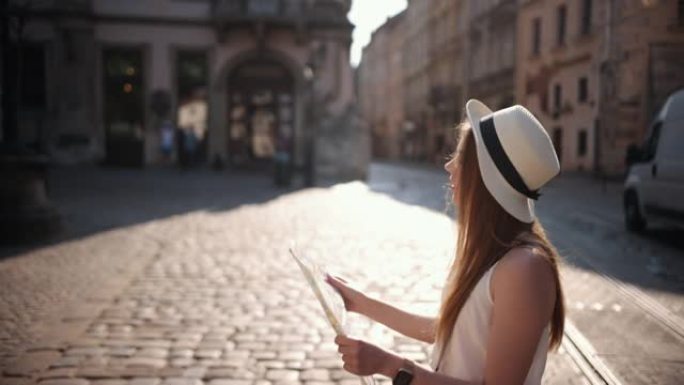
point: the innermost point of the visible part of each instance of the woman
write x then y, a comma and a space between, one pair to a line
502, 305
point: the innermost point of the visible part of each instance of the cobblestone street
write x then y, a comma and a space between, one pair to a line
177, 278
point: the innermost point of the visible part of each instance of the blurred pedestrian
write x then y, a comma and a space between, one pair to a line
182, 157
281, 161
167, 140
190, 146
502, 305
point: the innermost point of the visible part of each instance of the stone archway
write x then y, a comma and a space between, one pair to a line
261, 96
226, 79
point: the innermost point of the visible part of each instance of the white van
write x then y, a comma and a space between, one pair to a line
654, 187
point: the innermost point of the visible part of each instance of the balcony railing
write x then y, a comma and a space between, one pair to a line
282, 11
258, 9
264, 7
51, 5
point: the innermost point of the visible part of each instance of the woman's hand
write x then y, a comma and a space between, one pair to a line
364, 359
354, 300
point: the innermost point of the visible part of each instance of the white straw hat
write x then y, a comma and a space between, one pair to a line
515, 155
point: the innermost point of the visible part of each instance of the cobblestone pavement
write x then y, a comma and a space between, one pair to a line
204, 291
88, 265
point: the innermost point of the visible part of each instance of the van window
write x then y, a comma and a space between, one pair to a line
674, 107
651, 144
672, 142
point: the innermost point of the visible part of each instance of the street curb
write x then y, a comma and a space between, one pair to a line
584, 355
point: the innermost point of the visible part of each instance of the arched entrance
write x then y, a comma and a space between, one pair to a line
261, 109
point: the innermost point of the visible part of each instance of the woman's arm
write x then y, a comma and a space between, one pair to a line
419, 327
411, 325
422, 375
523, 289
364, 359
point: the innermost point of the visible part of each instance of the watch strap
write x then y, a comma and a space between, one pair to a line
405, 374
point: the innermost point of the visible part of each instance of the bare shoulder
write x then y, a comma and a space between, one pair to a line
524, 269
525, 262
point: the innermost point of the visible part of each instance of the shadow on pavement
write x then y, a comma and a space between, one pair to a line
671, 236
92, 199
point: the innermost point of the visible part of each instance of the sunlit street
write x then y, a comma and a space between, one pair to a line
120, 298
341, 192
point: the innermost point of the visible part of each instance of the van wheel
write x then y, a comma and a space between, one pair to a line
634, 220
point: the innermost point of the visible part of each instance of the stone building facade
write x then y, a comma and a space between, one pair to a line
447, 25
595, 72
491, 51
239, 78
643, 64
410, 83
416, 61
381, 87
557, 73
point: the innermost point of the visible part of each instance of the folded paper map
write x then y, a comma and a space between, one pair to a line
331, 301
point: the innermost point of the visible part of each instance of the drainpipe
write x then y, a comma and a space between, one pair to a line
465, 69
604, 67
9, 95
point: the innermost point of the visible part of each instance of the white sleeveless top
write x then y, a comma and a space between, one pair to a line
465, 354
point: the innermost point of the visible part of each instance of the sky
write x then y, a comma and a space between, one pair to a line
367, 16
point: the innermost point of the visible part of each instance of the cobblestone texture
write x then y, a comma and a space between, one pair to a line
64, 285
210, 296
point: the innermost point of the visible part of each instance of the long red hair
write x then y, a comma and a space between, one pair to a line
485, 233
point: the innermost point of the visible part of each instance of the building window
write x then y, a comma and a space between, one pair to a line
582, 90
32, 76
582, 143
557, 96
557, 140
585, 23
561, 16
191, 73
536, 36
263, 7
124, 106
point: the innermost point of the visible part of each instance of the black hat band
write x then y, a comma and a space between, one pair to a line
501, 160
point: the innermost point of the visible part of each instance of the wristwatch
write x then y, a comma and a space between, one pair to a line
405, 374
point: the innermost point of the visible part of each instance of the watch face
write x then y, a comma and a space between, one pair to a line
403, 377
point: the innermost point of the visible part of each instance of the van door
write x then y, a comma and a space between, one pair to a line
668, 167
648, 189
